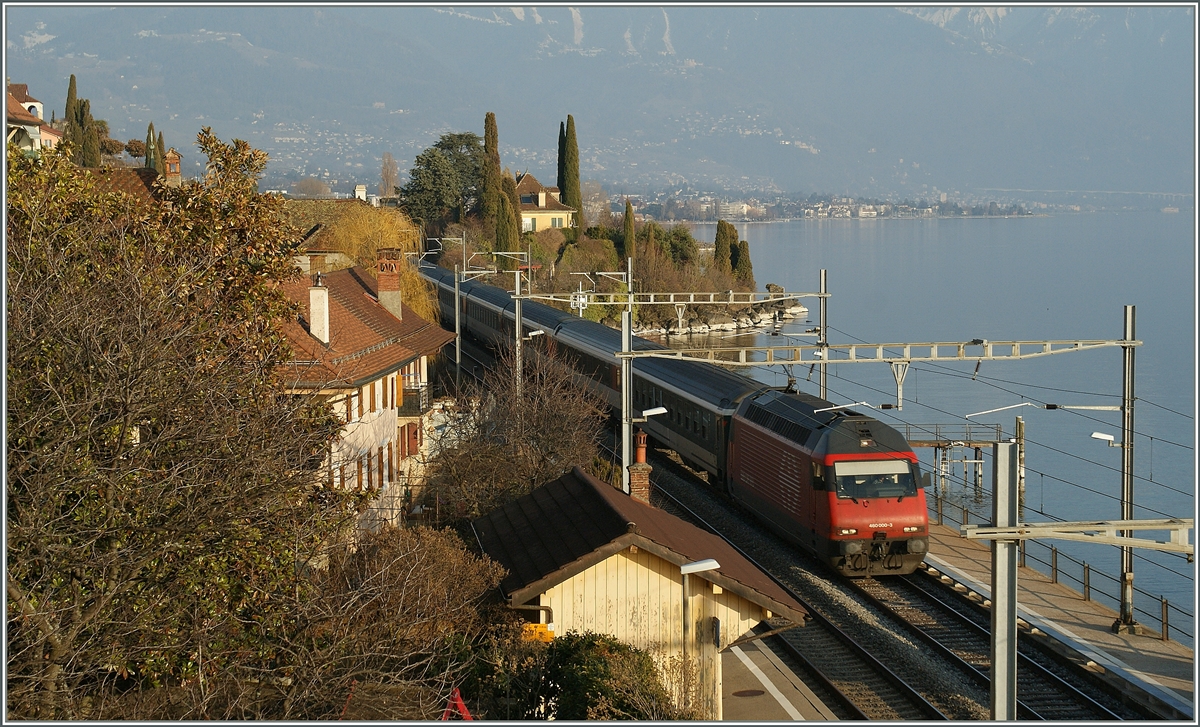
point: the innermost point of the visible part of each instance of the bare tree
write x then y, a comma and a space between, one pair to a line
502, 443
310, 187
389, 176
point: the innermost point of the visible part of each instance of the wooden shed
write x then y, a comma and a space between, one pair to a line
582, 556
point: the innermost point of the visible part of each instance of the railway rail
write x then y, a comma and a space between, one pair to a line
946, 635
868, 632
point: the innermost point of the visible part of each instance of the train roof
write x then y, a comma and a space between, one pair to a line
543, 316
708, 383
843, 431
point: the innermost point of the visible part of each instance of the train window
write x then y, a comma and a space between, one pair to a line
879, 478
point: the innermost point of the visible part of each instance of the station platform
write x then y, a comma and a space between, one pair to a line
757, 687
1150, 670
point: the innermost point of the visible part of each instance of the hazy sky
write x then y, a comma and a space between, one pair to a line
862, 100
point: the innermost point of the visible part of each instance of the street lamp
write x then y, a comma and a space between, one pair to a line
1112, 441
698, 566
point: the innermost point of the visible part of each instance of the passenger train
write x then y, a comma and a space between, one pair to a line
840, 484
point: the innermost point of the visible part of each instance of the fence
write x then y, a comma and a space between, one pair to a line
1071, 572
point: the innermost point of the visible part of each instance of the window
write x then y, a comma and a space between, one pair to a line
886, 478
556, 222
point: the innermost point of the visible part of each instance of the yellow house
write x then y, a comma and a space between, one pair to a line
583, 556
541, 207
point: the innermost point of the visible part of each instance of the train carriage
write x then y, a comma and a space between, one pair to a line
840, 484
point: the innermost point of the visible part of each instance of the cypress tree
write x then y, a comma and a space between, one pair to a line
90, 149
725, 246
630, 242
508, 186
160, 156
744, 272
562, 154
150, 148
489, 198
507, 234
572, 196
69, 109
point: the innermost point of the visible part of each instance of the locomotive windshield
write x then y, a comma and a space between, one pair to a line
886, 478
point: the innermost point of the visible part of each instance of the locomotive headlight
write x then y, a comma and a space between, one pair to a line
912, 529
847, 531
917, 545
852, 547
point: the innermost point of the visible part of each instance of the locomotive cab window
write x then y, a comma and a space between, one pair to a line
865, 479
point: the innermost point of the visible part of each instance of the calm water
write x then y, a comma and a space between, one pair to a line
1062, 277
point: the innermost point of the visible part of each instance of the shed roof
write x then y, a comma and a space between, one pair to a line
574, 522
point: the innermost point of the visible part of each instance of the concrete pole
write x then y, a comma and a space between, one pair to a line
1019, 430
687, 624
626, 399
520, 372
1127, 622
457, 335
1004, 584
823, 340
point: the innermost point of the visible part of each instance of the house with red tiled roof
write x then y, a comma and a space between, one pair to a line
361, 348
541, 207
47, 136
22, 128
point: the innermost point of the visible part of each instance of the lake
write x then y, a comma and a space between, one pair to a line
1031, 278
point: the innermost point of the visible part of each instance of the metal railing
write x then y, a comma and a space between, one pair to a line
1075, 574
415, 402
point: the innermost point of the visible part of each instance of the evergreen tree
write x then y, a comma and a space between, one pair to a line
725, 246
630, 241
744, 272
90, 148
509, 187
572, 195
489, 199
507, 233
562, 154
431, 193
160, 156
73, 131
69, 109
464, 151
150, 147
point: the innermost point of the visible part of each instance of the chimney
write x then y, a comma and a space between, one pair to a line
389, 262
639, 471
542, 198
174, 176
318, 309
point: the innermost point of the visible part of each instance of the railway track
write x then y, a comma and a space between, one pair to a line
938, 640
868, 633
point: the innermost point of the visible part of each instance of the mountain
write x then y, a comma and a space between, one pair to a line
855, 100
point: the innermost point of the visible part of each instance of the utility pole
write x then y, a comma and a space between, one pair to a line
519, 334
457, 334
823, 338
627, 381
1004, 584
1127, 622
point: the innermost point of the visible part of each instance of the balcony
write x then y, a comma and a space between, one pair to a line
415, 403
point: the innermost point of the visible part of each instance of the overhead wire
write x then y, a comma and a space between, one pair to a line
1040, 444
986, 380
